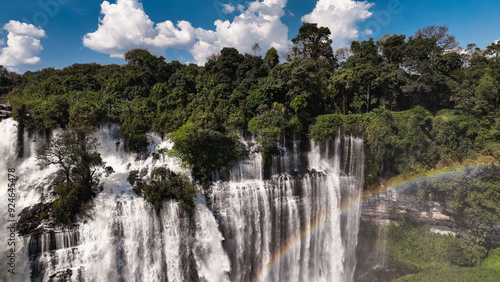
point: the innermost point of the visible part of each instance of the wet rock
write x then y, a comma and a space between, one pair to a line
31, 217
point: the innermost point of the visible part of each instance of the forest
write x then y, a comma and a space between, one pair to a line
420, 101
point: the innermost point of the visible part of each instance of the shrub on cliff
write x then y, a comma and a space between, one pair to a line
204, 149
166, 184
75, 155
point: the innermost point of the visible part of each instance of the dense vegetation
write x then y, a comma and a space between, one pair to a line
440, 257
165, 184
421, 103
418, 246
416, 140
8, 80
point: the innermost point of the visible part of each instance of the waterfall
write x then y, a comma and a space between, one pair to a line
302, 223
295, 219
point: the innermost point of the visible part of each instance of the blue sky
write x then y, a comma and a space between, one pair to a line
36, 34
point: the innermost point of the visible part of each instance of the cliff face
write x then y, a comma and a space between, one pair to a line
411, 204
426, 203
400, 206
417, 203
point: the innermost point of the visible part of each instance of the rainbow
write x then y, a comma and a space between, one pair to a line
321, 221
293, 243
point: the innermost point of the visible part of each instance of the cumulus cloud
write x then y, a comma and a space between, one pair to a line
228, 8
367, 32
126, 26
23, 44
341, 17
240, 8
260, 22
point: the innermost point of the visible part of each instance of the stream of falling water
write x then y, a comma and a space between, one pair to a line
293, 220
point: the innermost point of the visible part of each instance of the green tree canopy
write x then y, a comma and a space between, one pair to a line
313, 42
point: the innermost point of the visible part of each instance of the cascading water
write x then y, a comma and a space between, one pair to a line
299, 225
293, 220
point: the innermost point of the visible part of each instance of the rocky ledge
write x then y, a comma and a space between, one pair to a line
398, 206
31, 218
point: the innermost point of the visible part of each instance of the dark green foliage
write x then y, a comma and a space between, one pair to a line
415, 140
393, 48
459, 274
418, 246
455, 136
272, 58
8, 80
313, 42
486, 95
474, 196
326, 127
256, 99
385, 80
204, 149
74, 153
72, 201
133, 177
268, 126
166, 184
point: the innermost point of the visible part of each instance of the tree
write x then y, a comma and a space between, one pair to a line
393, 48
148, 67
486, 94
223, 69
493, 50
268, 126
165, 184
256, 48
272, 58
74, 153
8, 80
428, 71
203, 148
365, 64
440, 35
313, 42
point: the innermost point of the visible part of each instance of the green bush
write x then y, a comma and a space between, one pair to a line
326, 127
458, 274
269, 125
204, 149
71, 202
416, 245
166, 184
255, 99
493, 260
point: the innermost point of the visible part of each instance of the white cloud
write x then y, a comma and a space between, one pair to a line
240, 8
23, 44
367, 31
260, 22
341, 17
228, 8
126, 26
